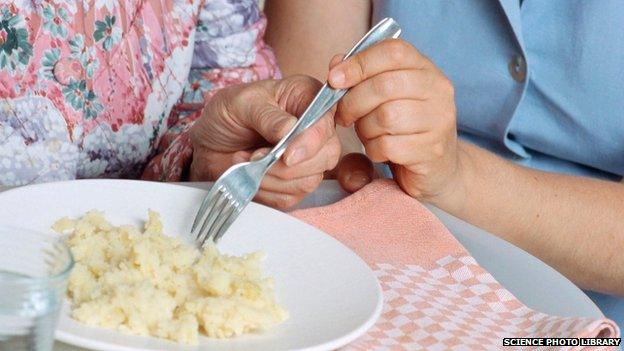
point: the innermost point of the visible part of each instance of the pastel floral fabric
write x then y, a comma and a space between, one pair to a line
109, 88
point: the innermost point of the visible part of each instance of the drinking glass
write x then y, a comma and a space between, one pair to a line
34, 268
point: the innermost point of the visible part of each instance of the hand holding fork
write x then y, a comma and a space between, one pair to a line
239, 184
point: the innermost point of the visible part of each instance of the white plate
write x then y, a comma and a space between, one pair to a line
332, 295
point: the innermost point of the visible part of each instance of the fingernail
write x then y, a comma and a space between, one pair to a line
358, 178
258, 155
238, 158
295, 157
336, 60
344, 124
337, 77
283, 126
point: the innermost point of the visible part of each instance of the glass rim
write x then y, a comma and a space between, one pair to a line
62, 274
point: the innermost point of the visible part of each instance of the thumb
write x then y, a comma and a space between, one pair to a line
272, 123
354, 171
336, 60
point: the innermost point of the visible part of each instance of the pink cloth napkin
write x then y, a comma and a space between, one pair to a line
436, 296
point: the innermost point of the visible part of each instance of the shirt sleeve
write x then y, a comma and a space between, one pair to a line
229, 50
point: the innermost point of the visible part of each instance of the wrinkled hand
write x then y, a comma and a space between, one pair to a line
404, 113
243, 122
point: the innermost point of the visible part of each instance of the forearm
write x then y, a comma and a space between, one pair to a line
575, 224
306, 34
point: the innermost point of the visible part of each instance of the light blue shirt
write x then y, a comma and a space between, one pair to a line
566, 114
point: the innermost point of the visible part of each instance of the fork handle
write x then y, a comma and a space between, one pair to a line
327, 97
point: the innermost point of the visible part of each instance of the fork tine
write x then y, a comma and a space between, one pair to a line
209, 200
213, 213
223, 207
224, 217
226, 225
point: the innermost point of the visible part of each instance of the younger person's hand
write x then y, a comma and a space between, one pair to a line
404, 113
354, 171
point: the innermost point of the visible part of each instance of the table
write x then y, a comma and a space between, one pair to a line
514, 268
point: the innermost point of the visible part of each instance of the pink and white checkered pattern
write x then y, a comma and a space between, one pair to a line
436, 296
457, 305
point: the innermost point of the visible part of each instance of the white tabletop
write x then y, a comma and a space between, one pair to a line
514, 268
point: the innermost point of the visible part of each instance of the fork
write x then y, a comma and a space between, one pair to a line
231, 193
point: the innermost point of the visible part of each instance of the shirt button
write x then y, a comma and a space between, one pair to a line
518, 68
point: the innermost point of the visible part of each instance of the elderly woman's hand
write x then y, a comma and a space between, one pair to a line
404, 113
243, 122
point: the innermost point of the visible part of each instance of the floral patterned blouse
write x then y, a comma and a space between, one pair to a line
109, 88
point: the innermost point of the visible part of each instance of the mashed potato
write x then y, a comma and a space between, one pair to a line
146, 283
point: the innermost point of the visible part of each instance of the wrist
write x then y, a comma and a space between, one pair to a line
455, 197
